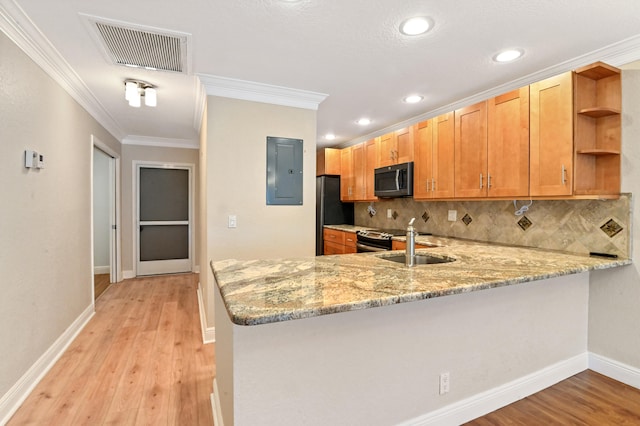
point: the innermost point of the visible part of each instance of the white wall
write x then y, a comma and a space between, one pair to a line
131, 153
45, 234
614, 307
101, 213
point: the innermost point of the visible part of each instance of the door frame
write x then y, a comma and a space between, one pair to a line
136, 164
115, 236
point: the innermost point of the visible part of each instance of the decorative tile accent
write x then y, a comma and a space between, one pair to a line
394, 215
524, 223
467, 219
425, 216
611, 228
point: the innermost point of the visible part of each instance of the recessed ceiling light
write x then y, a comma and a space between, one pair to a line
329, 136
415, 26
364, 121
413, 99
508, 55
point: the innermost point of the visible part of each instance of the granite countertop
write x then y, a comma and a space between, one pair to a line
266, 291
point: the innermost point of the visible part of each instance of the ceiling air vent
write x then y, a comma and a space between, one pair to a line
143, 47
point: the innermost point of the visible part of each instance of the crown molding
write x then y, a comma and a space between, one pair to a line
260, 92
617, 54
15, 23
160, 142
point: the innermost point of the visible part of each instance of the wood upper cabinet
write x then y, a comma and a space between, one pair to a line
358, 159
396, 147
328, 161
551, 136
370, 160
346, 175
434, 158
508, 144
471, 151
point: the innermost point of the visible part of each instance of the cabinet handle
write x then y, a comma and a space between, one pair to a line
564, 175
488, 180
428, 186
433, 185
481, 185
390, 154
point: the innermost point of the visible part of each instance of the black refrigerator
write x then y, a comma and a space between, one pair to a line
329, 209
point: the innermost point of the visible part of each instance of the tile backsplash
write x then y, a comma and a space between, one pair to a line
577, 226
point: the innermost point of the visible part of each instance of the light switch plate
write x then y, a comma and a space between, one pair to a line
453, 215
233, 221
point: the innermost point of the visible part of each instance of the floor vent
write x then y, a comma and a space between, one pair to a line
137, 46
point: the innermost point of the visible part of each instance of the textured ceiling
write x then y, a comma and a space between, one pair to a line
348, 49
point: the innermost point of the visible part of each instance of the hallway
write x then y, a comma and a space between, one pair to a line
139, 360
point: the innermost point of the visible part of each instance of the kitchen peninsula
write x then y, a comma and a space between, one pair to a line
330, 340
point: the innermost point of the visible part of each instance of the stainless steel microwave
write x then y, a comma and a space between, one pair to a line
394, 181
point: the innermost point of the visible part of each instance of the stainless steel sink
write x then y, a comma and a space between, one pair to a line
420, 259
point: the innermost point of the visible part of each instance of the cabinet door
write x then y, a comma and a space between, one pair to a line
346, 174
551, 136
422, 172
370, 158
403, 145
358, 161
508, 144
386, 148
471, 151
443, 175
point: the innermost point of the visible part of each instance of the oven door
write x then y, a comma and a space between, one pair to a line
363, 248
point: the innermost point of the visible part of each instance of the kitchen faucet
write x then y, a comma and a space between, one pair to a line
410, 250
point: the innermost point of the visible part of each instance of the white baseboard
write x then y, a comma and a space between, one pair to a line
215, 405
101, 270
208, 333
11, 401
128, 274
616, 370
486, 402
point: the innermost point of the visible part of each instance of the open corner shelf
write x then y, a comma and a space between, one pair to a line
597, 71
598, 112
598, 152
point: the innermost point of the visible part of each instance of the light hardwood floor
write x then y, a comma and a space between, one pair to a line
588, 398
100, 284
140, 360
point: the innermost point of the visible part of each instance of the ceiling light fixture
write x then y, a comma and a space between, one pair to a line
134, 90
415, 26
364, 121
329, 136
413, 99
508, 55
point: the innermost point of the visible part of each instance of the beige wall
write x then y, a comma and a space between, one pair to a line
236, 182
131, 153
45, 236
614, 300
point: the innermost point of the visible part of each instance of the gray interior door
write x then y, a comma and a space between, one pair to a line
164, 220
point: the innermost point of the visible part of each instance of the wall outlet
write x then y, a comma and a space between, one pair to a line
453, 215
233, 221
444, 383
389, 214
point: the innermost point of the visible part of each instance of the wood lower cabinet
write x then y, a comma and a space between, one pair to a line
434, 158
508, 144
338, 242
551, 136
401, 245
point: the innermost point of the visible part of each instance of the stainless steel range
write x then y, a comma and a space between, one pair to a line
376, 240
